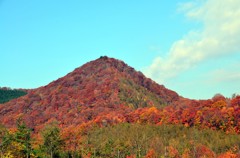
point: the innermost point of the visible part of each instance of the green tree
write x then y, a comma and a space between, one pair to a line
5, 140
7, 94
52, 142
23, 137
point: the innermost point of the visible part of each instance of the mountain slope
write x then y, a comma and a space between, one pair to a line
101, 87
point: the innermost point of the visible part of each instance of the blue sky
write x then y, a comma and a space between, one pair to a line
192, 47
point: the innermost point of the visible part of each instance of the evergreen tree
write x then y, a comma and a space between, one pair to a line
52, 141
5, 140
23, 137
7, 94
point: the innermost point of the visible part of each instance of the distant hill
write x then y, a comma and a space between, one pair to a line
105, 86
7, 94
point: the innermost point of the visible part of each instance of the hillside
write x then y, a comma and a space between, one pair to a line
105, 86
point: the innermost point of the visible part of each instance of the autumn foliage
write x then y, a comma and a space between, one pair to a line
107, 92
217, 115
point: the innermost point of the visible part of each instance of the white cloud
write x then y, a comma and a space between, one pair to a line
227, 74
219, 37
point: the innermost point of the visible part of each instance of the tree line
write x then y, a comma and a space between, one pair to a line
7, 94
123, 140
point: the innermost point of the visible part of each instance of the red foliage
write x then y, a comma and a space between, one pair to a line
90, 94
203, 151
86, 94
204, 114
151, 154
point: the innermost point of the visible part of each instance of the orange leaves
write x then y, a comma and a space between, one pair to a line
151, 154
203, 151
150, 115
219, 104
72, 136
109, 119
197, 120
205, 114
173, 153
228, 155
145, 115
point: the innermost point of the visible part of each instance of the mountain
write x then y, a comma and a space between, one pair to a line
100, 88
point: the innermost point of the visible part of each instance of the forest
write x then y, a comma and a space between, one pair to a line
123, 140
107, 109
7, 94
210, 129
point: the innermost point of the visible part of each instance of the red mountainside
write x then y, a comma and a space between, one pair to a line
101, 88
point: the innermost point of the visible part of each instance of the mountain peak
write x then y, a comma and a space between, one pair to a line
110, 62
104, 66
